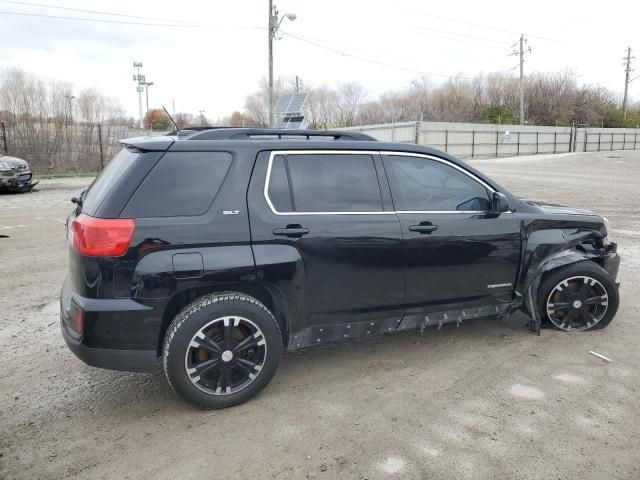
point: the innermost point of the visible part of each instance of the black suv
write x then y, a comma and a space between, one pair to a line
219, 250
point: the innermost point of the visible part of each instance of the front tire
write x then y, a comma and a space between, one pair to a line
221, 350
578, 297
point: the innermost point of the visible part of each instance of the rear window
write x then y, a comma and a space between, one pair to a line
181, 184
101, 186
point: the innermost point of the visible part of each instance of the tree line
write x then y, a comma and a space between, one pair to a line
550, 99
56, 129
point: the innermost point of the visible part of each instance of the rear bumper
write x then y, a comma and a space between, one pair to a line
144, 361
104, 352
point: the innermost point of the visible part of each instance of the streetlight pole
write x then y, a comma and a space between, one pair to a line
147, 85
140, 80
274, 25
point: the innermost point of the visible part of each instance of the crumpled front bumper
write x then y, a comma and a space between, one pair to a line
20, 181
611, 260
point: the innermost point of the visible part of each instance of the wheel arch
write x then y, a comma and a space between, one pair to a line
544, 269
269, 295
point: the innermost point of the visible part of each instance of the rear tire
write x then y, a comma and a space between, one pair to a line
578, 297
221, 350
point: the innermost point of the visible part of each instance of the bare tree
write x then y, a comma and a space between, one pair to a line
350, 96
53, 129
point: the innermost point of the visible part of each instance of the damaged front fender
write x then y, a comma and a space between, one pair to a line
546, 248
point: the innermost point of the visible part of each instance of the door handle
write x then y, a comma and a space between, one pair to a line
293, 231
424, 227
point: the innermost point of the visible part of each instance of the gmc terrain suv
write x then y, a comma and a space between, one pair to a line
218, 250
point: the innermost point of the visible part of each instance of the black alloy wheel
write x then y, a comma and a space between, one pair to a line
222, 349
577, 303
578, 297
225, 355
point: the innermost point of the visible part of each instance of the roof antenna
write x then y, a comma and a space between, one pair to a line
170, 118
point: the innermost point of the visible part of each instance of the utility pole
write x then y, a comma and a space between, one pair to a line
627, 81
520, 53
271, 35
140, 80
274, 24
297, 84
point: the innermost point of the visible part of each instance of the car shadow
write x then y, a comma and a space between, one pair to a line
130, 395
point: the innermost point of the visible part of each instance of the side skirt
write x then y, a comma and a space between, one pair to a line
343, 332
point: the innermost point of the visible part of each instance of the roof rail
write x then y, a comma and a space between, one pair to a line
257, 133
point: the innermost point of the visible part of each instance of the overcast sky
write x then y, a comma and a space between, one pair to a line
381, 44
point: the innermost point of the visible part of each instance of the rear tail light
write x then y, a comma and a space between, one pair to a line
101, 237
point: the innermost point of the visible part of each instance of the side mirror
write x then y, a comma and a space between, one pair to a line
501, 203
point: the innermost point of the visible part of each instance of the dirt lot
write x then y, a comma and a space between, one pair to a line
479, 401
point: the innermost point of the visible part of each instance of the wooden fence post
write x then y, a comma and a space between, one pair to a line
473, 142
4, 140
100, 144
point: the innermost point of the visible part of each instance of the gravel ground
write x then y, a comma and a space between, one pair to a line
479, 401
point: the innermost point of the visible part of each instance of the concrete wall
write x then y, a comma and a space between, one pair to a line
479, 140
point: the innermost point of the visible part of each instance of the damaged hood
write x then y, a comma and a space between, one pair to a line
552, 208
13, 161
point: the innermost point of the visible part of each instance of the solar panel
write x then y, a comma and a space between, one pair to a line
297, 101
289, 122
281, 123
293, 124
283, 104
290, 103
289, 111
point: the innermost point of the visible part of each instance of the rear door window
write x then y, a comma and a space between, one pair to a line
324, 183
181, 184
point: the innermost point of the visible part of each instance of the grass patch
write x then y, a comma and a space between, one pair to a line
45, 176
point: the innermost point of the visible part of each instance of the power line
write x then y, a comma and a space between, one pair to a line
104, 20
370, 60
462, 40
477, 25
97, 12
448, 32
351, 47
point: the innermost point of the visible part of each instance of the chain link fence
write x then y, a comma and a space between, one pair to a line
476, 140
63, 148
